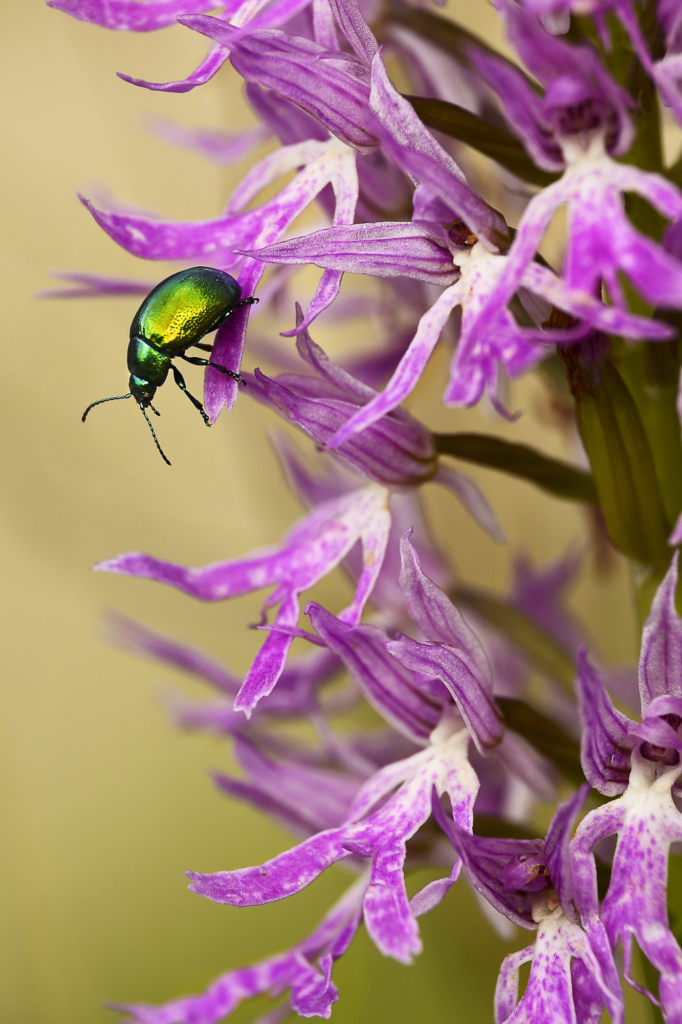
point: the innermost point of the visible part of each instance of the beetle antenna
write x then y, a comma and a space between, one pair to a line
92, 406
155, 411
156, 440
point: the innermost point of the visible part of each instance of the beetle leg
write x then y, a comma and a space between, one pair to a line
251, 301
180, 381
195, 361
206, 348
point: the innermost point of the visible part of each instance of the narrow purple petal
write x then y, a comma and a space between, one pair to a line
474, 701
130, 15
210, 66
138, 639
219, 146
387, 686
473, 499
437, 617
557, 847
413, 250
90, 286
277, 878
660, 660
407, 375
507, 987
269, 663
605, 744
312, 991
220, 391
410, 144
292, 66
355, 28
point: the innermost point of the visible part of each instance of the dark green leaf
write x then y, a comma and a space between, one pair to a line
559, 478
652, 373
542, 650
489, 139
621, 461
545, 735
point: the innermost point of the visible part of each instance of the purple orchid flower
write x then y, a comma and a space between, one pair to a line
413, 699
453, 654
666, 72
305, 971
378, 827
397, 451
529, 881
331, 85
311, 550
406, 510
433, 247
579, 125
641, 762
323, 163
580, 95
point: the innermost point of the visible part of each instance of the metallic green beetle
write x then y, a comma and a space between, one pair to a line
175, 316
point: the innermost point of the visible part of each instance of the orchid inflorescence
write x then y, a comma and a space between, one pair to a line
576, 124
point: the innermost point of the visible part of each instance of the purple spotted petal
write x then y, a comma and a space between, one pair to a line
602, 244
382, 836
311, 549
604, 746
646, 821
551, 994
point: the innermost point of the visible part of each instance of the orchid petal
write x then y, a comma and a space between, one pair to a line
660, 660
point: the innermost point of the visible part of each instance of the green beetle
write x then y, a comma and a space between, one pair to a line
175, 316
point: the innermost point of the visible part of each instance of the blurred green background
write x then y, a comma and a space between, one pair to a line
103, 803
